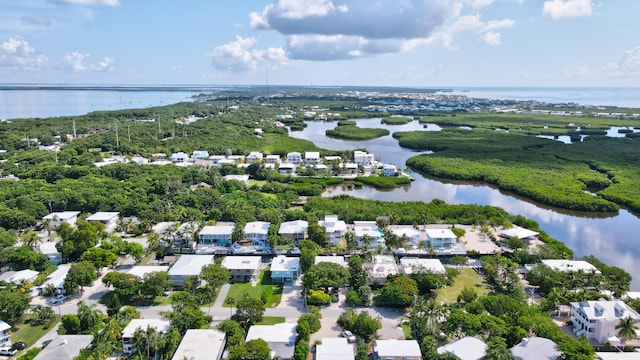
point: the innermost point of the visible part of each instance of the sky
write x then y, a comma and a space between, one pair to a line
417, 43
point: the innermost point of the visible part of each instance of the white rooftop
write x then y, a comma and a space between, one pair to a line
284, 263
257, 227
160, 325
17, 276
431, 266
383, 266
217, 230
280, 337
190, 265
61, 216
397, 348
200, 344
518, 232
4, 326
141, 271
570, 265
366, 228
312, 155
57, 277
241, 262
103, 216
407, 231
468, 348
334, 349
440, 233
535, 348
331, 223
64, 347
293, 227
331, 259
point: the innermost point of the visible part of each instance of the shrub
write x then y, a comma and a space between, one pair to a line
318, 297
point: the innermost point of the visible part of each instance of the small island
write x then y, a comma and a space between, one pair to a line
396, 120
352, 132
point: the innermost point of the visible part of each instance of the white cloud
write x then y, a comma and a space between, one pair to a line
492, 38
238, 55
628, 65
88, 2
562, 9
576, 71
17, 54
475, 24
35, 20
479, 3
75, 62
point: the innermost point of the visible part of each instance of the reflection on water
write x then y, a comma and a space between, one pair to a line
610, 237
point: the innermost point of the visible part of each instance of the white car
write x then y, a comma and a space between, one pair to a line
7, 351
58, 299
349, 335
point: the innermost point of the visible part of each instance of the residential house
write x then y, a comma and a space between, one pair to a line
412, 235
254, 156
286, 169
396, 350
217, 235
215, 159
16, 277
272, 159
389, 170
535, 348
257, 232
141, 270
519, 233
179, 157
56, 219
335, 229
201, 344
367, 233
285, 268
295, 230
187, 265
570, 265
381, 267
294, 158
417, 265
241, 178
199, 155
242, 268
281, 338
467, 348
108, 218
49, 250
336, 259
350, 168
64, 347
236, 158
312, 158
597, 320
363, 159
5, 334
140, 160
441, 238
334, 349
160, 325
56, 279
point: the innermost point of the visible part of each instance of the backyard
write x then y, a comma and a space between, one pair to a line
467, 277
269, 293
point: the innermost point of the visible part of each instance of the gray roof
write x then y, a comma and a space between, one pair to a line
468, 348
65, 347
535, 348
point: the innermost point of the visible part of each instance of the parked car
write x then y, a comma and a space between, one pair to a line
20, 345
58, 299
7, 351
349, 335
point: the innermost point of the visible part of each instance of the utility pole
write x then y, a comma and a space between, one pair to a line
26, 136
74, 129
129, 132
158, 119
117, 138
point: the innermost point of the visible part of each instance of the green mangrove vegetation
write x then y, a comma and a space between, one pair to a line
396, 120
352, 132
384, 182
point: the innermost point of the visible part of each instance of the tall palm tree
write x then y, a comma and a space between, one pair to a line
30, 239
627, 329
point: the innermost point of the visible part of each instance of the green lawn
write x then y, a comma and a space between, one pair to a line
466, 278
30, 334
274, 291
271, 320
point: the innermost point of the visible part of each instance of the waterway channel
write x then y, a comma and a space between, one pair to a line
610, 237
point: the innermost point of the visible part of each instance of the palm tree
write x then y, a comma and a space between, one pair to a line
627, 329
30, 239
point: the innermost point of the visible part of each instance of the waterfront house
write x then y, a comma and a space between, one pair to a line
362, 158
285, 268
412, 235
394, 349
294, 158
187, 265
281, 338
467, 348
191, 347
597, 320
216, 235
56, 219
286, 168
254, 156
335, 229
272, 159
517, 232
368, 231
418, 265
242, 268
570, 265
350, 168
295, 230
389, 170
312, 158
160, 325
381, 267
334, 349
441, 238
257, 232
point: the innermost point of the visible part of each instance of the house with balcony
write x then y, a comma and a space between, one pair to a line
187, 265
295, 230
160, 325
294, 158
312, 158
363, 159
412, 235
199, 155
597, 320
108, 218
441, 238
380, 267
368, 234
273, 160
396, 350
5, 334
286, 168
56, 219
335, 229
257, 232
179, 157
389, 170
242, 268
350, 168
254, 156
284, 269
216, 235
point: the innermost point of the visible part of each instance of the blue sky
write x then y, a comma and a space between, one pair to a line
424, 43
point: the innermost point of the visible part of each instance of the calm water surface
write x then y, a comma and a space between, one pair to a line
610, 237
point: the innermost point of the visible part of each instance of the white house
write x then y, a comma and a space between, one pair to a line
142, 270
64, 347
412, 235
350, 168
242, 268
5, 334
160, 325
570, 265
396, 350
217, 235
285, 268
49, 250
56, 219
535, 348
179, 157
598, 319
334, 349
294, 158
417, 265
381, 267
467, 348
16, 277
295, 230
286, 168
441, 238
215, 159
187, 265
362, 158
254, 156
312, 158
518, 232
108, 218
199, 155
389, 170
257, 232
340, 260
281, 338
201, 344
368, 231
335, 228
56, 278
272, 159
